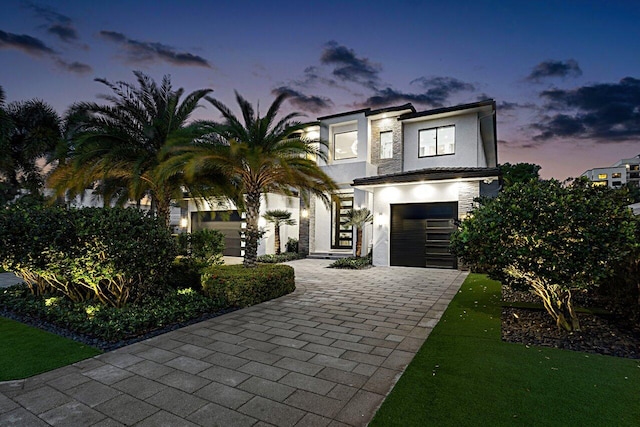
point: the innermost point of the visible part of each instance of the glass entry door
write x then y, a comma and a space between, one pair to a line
341, 235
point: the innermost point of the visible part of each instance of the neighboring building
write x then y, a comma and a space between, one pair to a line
624, 171
418, 173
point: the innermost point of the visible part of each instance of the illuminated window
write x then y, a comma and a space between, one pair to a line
345, 145
437, 141
616, 175
602, 176
386, 145
599, 183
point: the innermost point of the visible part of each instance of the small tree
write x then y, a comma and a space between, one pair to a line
358, 218
551, 237
278, 217
519, 172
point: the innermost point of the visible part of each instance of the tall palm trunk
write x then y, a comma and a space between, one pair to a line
253, 233
277, 238
163, 209
358, 241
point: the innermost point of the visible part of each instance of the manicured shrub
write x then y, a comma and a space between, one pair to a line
106, 323
352, 263
111, 255
292, 245
238, 286
275, 259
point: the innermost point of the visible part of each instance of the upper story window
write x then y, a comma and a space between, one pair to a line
616, 175
345, 145
602, 176
386, 145
437, 141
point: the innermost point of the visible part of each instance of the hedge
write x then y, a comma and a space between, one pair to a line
237, 286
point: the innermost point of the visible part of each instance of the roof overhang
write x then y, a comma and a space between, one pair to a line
427, 175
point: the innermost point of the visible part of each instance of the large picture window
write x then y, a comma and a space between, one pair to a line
386, 145
437, 141
345, 145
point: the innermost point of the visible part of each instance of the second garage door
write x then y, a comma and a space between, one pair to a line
227, 222
420, 234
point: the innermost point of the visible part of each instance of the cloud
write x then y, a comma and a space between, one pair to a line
608, 112
74, 67
24, 43
439, 89
65, 33
348, 66
310, 103
550, 68
140, 51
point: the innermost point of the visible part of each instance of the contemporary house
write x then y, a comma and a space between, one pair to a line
624, 171
417, 172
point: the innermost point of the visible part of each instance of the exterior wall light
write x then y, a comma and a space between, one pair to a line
184, 222
304, 213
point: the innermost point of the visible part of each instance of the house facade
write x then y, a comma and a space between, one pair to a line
417, 172
623, 172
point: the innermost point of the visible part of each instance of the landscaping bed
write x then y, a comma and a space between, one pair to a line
602, 332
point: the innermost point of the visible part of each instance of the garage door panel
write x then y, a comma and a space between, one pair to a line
228, 223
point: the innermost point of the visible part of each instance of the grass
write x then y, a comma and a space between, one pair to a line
28, 351
465, 375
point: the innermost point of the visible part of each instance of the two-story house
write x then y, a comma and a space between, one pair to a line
417, 172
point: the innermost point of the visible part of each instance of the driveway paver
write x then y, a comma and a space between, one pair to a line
327, 354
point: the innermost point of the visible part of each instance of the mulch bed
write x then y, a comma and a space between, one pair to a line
608, 334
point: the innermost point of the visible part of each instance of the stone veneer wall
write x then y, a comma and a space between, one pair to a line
303, 229
387, 166
467, 191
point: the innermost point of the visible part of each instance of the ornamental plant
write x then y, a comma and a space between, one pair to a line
551, 237
110, 255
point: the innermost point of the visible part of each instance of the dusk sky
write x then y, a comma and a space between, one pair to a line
565, 74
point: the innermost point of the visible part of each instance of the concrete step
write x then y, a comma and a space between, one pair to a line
329, 255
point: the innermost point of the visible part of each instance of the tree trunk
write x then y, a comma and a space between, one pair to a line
358, 242
277, 238
163, 209
253, 233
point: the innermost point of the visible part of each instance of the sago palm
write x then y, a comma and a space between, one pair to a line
358, 218
260, 155
278, 217
122, 147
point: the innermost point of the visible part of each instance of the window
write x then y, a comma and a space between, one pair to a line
386, 145
602, 176
437, 141
616, 175
345, 145
599, 183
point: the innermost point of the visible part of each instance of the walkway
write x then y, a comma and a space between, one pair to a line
326, 355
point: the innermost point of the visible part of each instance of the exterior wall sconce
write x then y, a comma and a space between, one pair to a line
304, 213
184, 222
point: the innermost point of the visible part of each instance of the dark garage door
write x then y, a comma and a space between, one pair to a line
228, 222
420, 234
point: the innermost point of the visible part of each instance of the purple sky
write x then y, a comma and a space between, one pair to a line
566, 74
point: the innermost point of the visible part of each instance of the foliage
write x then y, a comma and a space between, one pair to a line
358, 218
236, 286
352, 263
276, 259
278, 217
29, 133
27, 351
109, 255
205, 246
292, 245
464, 357
519, 173
121, 149
259, 154
545, 234
111, 324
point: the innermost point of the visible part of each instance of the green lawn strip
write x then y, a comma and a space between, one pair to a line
28, 351
465, 375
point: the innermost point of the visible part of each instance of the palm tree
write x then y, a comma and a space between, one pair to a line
122, 148
358, 218
260, 155
278, 217
29, 133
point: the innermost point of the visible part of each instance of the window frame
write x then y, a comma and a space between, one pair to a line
355, 156
436, 128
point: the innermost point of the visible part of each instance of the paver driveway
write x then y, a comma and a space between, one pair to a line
327, 354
